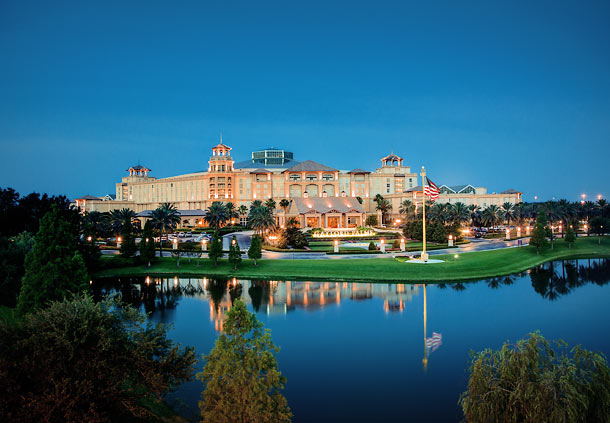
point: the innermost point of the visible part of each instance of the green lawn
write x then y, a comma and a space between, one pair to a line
474, 265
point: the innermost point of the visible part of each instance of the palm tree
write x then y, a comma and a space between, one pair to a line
243, 210
270, 204
384, 206
438, 212
284, 204
261, 220
255, 203
231, 211
164, 217
459, 213
491, 216
94, 223
475, 214
119, 218
509, 213
603, 207
292, 222
217, 215
407, 208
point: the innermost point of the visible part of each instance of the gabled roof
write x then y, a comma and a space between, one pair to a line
417, 188
261, 171
89, 197
358, 170
448, 188
327, 204
310, 166
511, 191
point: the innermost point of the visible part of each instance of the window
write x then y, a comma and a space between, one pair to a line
311, 177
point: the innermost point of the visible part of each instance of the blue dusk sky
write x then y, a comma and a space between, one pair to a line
511, 94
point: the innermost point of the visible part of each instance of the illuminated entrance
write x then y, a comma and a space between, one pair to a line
313, 222
333, 222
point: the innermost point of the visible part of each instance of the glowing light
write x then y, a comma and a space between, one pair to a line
118, 239
90, 282
89, 238
599, 197
175, 241
456, 256
273, 237
147, 280
450, 237
382, 241
402, 240
233, 242
336, 242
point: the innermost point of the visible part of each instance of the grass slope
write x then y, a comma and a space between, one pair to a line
475, 265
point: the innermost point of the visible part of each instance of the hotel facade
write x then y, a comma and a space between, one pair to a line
319, 195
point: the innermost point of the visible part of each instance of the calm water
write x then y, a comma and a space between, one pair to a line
356, 351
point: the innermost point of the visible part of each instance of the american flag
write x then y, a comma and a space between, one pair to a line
434, 342
431, 190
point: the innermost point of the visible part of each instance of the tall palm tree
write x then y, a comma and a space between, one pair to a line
459, 213
509, 213
261, 220
270, 204
492, 215
475, 214
407, 208
384, 206
603, 207
164, 217
231, 211
284, 204
217, 215
119, 218
255, 203
94, 223
438, 212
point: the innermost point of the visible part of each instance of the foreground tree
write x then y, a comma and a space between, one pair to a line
532, 382
538, 238
215, 252
570, 237
53, 268
147, 244
217, 215
81, 361
234, 253
241, 377
255, 250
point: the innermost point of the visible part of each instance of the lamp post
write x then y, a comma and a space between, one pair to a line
527, 230
402, 245
507, 234
382, 245
336, 246
175, 244
518, 231
450, 243
119, 242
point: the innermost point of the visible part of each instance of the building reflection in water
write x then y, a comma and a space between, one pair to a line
159, 295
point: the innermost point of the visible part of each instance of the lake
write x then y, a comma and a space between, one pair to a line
356, 352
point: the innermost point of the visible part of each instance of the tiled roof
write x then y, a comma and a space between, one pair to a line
417, 188
324, 205
249, 164
310, 166
221, 145
511, 191
182, 213
138, 167
261, 171
392, 157
358, 170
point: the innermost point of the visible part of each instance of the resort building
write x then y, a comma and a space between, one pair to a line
319, 195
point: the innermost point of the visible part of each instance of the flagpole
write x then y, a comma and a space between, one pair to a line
425, 360
424, 255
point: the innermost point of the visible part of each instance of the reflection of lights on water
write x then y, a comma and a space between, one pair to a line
205, 282
147, 280
175, 281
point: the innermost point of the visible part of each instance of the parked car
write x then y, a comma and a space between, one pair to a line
479, 234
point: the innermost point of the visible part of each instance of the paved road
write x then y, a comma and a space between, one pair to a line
243, 238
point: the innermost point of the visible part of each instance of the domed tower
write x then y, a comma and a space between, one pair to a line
220, 172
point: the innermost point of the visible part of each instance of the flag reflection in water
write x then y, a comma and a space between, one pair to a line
430, 344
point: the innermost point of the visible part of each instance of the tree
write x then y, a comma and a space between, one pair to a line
538, 238
534, 381
54, 268
371, 220
231, 211
359, 199
241, 377
509, 212
255, 250
234, 253
164, 217
84, 361
284, 204
570, 236
491, 216
215, 253
147, 244
459, 213
270, 204
598, 227
217, 215
243, 210
128, 243
407, 209
384, 206
12, 256
261, 220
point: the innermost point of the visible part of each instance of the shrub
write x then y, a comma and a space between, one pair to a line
372, 246
533, 382
371, 220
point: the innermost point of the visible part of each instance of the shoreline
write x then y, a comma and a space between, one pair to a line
467, 266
